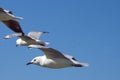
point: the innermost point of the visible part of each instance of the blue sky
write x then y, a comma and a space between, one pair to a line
86, 29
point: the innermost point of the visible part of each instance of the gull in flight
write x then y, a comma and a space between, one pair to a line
9, 20
31, 39
54, 59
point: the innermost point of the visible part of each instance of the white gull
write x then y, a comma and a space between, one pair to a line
33, 38
54, 59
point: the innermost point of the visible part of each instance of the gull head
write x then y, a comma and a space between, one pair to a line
35, 60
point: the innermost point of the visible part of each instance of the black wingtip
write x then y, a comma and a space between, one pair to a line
78, 65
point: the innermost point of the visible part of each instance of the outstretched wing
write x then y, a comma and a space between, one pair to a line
49, 52
35, 35
13, 25
10, 12
70, 57
5, 11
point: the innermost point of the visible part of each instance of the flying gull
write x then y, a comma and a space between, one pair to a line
9, 20
31, 39
54, 59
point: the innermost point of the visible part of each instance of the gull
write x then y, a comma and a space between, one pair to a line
54, 59
31, 39
7, 18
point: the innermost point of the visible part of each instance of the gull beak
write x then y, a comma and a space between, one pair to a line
16, 45
29, 63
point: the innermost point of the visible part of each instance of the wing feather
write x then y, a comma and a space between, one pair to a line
35, 35
13, 25
49, 52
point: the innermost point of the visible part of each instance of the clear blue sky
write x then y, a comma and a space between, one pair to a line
87, 29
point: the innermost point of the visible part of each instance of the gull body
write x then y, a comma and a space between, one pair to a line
54, 59
7, 18
51, 63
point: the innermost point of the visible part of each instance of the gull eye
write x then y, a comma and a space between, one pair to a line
34, 59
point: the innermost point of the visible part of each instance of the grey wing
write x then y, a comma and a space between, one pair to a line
5, 11
35, 35
52, 53
13, 35
70, 57
14, 25
10, 12
49, 52
27, 38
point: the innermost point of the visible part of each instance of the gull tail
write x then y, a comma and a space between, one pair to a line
81, 65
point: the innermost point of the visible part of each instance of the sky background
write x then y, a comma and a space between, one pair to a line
86, 29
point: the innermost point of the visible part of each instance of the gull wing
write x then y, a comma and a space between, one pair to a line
35, 35
13, 35
10, 12
13, 25
52, 53
76, 63
27, 38
49, 52
70, 57
5, 11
